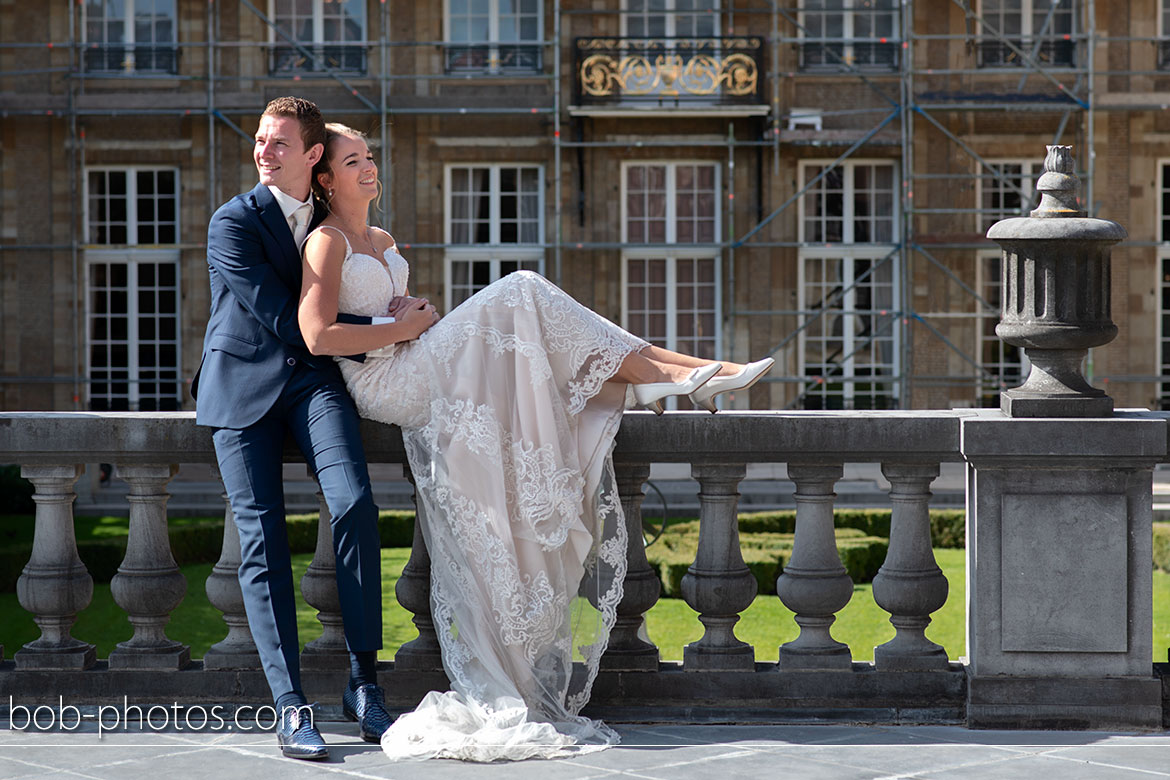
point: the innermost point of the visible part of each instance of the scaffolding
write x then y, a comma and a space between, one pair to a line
1063, 92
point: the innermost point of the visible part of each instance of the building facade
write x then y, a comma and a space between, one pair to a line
810, 180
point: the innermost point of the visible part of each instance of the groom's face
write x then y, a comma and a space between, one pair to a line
281, 158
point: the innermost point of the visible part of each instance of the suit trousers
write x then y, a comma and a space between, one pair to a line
316, 409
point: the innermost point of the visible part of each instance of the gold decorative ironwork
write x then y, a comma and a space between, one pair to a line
669, 74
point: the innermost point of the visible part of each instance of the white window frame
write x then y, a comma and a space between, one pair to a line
133, 254
494, 44
1002, 367
1164, 35
1162, 218
1026, 39
1030, 170
671, 18
129, 62
672, 252
529, 255
318, 43
849, 38
850, 252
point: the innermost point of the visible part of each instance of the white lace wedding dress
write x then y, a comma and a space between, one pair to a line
508, 422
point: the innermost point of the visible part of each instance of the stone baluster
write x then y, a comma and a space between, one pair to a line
55, 584
627, 651
237, 650
319, 588
910, 585
148, 584
815, 584
718, 585
413, 591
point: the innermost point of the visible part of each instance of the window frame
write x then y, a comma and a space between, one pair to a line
319, 46
493, 252
849, 41
671, 18
849, 210
1030, 170
1027, 38
986, 396
494, 44
130, 44
1162, 284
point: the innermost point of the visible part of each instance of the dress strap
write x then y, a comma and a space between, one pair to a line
348, 248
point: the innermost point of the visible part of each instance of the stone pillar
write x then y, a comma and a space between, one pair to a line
1056, 295
148, 584
627, 651
1059, 569
718, 585
54, 586
815, 584
910, 585
319, 588
413, 591
237, 650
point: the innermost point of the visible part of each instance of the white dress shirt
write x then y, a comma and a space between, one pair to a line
289, 206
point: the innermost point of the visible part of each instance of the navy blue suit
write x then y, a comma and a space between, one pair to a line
256, 384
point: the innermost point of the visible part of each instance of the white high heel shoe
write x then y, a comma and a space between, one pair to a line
651, 394
741, 380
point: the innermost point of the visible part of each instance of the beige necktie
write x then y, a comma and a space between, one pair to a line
302, 215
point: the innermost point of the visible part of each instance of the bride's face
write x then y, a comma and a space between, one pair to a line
352, 172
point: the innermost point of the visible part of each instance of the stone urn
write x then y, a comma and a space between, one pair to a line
1056, 290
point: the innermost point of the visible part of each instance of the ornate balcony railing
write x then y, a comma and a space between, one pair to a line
673, 72
1050, 641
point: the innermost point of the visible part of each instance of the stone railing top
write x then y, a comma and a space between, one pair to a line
695, 437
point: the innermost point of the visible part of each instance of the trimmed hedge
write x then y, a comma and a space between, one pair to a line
765, 553
1162, 546
948, 527
196, 543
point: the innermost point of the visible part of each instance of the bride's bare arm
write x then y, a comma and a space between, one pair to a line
317, 313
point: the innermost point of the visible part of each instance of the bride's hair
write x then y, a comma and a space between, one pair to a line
333, 131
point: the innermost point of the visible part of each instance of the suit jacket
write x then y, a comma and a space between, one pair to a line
253, 341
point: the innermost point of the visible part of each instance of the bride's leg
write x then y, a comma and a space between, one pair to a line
654, 364
679, 359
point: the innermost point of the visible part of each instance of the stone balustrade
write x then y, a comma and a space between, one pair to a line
1059, 574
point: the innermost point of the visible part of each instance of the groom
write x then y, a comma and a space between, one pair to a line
256, 384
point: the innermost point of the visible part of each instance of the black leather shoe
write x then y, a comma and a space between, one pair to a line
298, 737
367, 705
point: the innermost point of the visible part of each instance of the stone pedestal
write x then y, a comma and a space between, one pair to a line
1059, 569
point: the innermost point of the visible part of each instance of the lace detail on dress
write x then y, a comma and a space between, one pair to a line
508, 423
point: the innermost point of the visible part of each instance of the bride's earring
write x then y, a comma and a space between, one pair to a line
330, 194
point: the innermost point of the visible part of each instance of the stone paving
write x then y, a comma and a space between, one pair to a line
649, 752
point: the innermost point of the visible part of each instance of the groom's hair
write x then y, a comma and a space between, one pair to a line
305, 112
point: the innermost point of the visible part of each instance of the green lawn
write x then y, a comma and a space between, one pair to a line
671, 623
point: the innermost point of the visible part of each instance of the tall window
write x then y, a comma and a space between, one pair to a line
670, 18
495, 225
1164, 283
131, 36
848, 286
1003, 366
1042, 29
1008, 192
841, 33
493, 35
671, 275
1164, 43
132, 289
331, 34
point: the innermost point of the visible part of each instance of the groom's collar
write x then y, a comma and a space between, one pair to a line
288, 204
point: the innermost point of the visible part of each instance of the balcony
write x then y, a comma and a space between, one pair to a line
1051, 643
679, 76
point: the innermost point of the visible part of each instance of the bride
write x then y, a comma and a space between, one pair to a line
508, 408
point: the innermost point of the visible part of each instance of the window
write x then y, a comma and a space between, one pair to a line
1164, 44
493, 35
1042, 29
1164, 283
130, 36
132, 289
849, 292
671, 283
1008, 192
495, 225
333, 31
670, 19
1003, 365
843, 33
